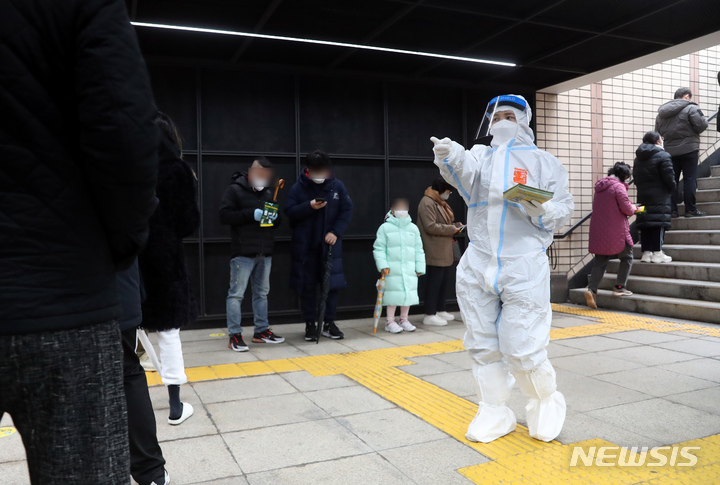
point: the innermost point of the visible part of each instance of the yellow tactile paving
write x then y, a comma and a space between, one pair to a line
516, 458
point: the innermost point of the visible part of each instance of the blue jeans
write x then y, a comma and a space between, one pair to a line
256, 271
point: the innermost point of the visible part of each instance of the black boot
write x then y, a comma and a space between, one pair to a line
310, 331
330, 330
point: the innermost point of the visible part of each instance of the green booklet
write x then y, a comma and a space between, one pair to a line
523, 192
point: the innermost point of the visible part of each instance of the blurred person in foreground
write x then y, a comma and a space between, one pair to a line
78, 165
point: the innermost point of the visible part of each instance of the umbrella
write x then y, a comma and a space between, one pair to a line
324, 290
380, 285
145, 341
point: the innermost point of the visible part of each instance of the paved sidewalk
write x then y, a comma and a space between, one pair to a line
392, 409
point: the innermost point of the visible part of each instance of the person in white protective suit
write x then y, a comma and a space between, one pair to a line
503, 279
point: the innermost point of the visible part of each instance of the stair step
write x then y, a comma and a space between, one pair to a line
715, 171
662, 306
711, 208
670, 287
696, 223
685, 252
709, 195
709, 183
680, 270
709, 237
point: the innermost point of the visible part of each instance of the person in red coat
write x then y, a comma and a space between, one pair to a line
610, 231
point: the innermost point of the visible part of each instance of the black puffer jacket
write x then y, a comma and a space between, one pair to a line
238, 211
78, 161
655, 181
169, 300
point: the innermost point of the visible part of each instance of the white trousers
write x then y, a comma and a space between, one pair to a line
172, 364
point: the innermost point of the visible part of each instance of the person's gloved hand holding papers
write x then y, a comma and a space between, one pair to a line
530, 198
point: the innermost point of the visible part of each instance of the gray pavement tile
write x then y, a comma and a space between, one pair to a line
207, 344
660, 419
435, 462
646, 336
453, 332
580, 427
199, 459
343, 401
556, 349
237, 480
369, 469
583, 393
357, 340
561, 320
264, 411
591, 363
242, 388
697, 346
648, 355
11, 446
460, 383
14, 473
199, 424
390, 428
304, 381
223, 356
159, 396
704, 368
275, 351
276, 447
202, 334
655, 381
703, 399
595, 343
423, 335
324, 347
428, 365
461, 360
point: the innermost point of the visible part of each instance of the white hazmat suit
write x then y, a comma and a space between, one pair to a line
503, 279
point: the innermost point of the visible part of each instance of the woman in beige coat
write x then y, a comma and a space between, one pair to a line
435, 221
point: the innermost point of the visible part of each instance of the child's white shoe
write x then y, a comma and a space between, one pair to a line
647, 257
407, 326
393, 327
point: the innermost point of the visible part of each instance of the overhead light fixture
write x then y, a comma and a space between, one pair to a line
322, 42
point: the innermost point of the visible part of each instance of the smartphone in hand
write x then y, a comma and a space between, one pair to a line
320, 199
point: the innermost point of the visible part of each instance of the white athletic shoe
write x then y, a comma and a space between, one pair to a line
647, 257
660, 257
186, 413
446, 316
407, 326
393, 327
434, 321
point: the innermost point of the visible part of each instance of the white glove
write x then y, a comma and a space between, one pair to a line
442, 147
533, 208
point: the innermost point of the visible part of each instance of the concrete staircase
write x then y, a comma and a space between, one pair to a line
689, 286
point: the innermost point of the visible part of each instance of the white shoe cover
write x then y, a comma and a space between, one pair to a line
493, 419
546, 408
491, 422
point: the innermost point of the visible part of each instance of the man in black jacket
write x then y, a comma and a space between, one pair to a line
252, 246
78, 163
680, 122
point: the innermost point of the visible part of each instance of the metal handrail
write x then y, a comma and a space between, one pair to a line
574, 226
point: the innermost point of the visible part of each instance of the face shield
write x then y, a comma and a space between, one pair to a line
506, 107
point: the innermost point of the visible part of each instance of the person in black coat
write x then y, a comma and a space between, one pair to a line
170, 304
78, 165
655, 181
242, 208
147, 464
319, 209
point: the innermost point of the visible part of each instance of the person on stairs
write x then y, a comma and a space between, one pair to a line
610, 232
655, 182
398, 249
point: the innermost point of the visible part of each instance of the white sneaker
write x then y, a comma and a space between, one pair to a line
660, 257
446, 316
186, 413
393, 327
407, 326
647, 257
434, 321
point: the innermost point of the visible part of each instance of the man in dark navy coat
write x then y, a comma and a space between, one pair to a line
319, 209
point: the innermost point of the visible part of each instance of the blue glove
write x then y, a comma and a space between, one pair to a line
273, 216
258, 214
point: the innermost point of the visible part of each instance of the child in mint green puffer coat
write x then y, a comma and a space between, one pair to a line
398, 248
